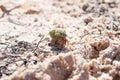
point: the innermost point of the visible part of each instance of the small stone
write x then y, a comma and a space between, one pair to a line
87, 20
19, 63
107, 61
96, 41
85, 6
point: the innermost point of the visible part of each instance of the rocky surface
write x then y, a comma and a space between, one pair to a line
93, 32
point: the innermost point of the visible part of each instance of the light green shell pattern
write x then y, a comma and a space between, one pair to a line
57, 33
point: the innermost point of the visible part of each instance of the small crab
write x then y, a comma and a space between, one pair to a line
59, 39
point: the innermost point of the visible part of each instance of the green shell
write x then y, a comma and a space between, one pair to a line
57, 33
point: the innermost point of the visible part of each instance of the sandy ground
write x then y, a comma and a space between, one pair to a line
93, 29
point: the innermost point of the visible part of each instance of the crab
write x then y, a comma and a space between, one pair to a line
59, 39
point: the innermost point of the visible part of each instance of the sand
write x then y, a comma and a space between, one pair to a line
93, 33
